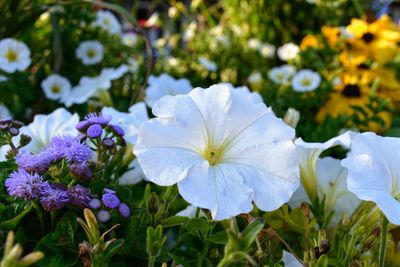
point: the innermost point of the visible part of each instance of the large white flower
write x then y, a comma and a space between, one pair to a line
332, 183
306, 81
165, 85
90, 52
282, 74
207, 64
309, 154
106, 21
14, 55
45, 127
92, 86
56, 87
134, 174
288, 51
129, 122
222, 149
374, 171
257, 98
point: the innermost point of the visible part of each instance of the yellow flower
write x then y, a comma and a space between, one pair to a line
309, 40
332, 35
379, 37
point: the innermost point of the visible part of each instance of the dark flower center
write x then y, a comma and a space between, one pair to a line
368, 37
351, 90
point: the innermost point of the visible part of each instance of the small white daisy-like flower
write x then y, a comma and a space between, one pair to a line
267, 50
90, 52
130, 39
282, 74
106, 21
14, 55
306, 81
254, 43
255, 77
288, 51
56, 87
165, 85
222, 149
207, 64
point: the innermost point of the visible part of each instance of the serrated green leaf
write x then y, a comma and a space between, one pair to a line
219, 238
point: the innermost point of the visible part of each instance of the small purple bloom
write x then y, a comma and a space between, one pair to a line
13, 131
79, 196
124, 210
108, 142
103, 216
95, 203
55, 198
109, 191
71, 148
117, 130
94, 118
24, 185
82, 126
110, 200
34, 163
81, 171
94, 131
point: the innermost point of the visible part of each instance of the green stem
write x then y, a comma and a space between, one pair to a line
223, 262
39, 214
383, 240
152, 260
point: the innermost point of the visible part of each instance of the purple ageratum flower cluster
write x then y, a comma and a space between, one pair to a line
71, 148
109, 201
24, 185
38, 163
94, 124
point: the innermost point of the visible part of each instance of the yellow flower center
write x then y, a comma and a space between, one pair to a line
213, 154
11, 55
306, 82
280, 76
91, 53
55, 89
106, 22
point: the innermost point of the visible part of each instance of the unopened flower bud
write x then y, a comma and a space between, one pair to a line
24, 140
292, 117
13, 131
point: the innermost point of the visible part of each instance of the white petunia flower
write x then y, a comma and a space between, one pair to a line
374, 171
309, 153
267, 50
257, 98
288, 51
190, 212
134, 175
106, 21
5, 112
306, 81
90, 52
207, 64
165, 85
255, 77
332, 183
222, 149
92, 86
289, 260
45, 127
3, 78
14, 55
129, 122
282, 74
130, 39
56, 87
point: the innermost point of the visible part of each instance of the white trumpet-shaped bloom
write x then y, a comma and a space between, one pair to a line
222, 149
374, 171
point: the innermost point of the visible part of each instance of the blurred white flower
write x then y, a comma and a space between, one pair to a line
45, 127
129, 122
254, 43
56, 87
288, 51
309, 153
90, 86
257, 98
90, 52
153, 21
255, 77
222, 149
282, 74
5, 112
374, 171
306, 81
130, 39
133, 65
190, 31
332, 184
134, 174
289, 260
292, 117
267, 50
207, 64
106, 21
165, 85
14, 55
3, 78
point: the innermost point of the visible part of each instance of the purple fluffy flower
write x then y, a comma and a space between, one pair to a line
94, 118
55, 198
79, 196
81, 171
82, 126
95, 203
124, 210
71, 148
35, 163
94, 131
117, 130
110, 201
103, 216
24, 185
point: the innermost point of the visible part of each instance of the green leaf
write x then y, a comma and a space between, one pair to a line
174, 221
113, 249
12, 223
220, 238
68, 225
198, 224
251, 231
